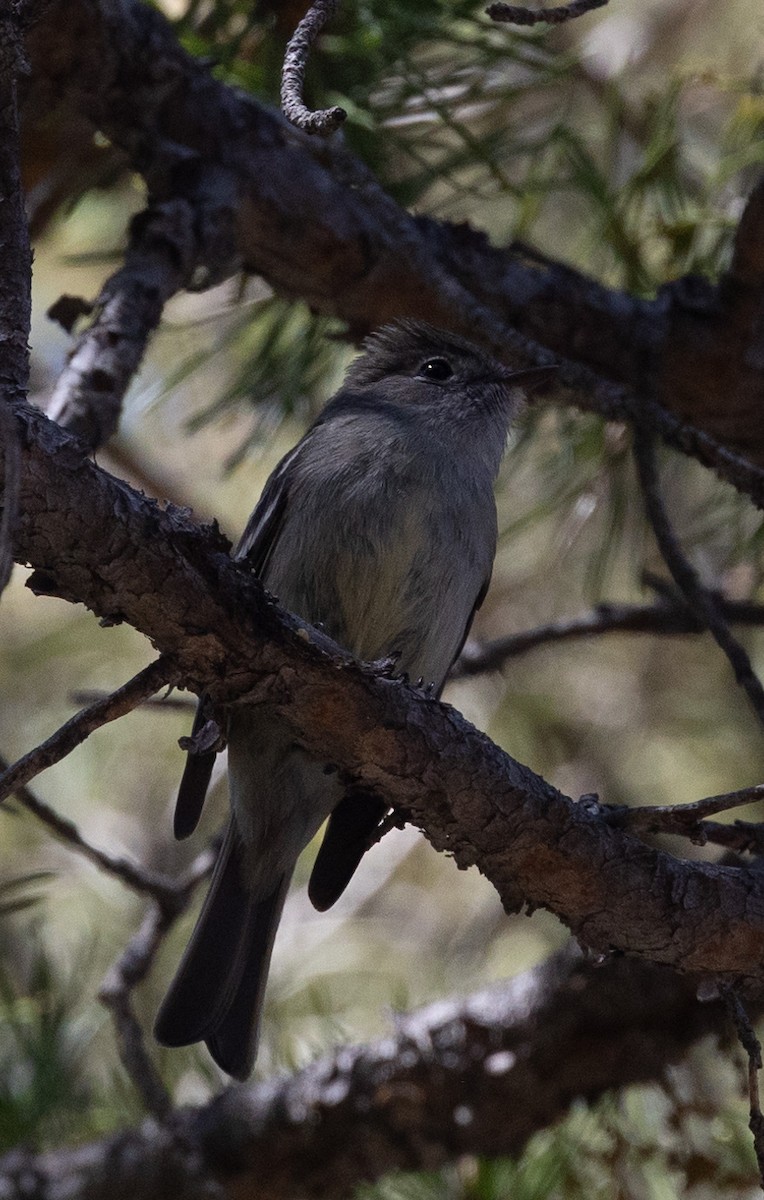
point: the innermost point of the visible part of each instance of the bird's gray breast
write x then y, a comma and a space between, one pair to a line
389, 555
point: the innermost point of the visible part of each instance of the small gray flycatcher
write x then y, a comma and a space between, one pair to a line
379, 525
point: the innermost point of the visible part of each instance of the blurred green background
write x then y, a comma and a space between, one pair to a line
624, 144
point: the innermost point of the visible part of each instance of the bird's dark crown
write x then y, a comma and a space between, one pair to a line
403, 346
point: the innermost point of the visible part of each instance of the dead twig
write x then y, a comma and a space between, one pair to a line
184, 704
132, 967
699, 599
683, 818
665, 617
138, 879
115, 992
326, 120
741, 837
79, 727
689, 820
170, 898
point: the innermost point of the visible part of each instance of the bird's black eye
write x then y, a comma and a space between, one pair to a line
437, 370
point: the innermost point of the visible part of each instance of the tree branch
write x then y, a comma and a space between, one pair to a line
700, 600
315, 223
752, 1047
15, 276
138, 878
667, 616
79, 727
691, 820
131, 968
159, 261
115, 993
177, 585
684, 818
466, 1076
9, 500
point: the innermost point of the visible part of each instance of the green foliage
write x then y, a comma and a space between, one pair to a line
272, 356
43, 1098
452, 110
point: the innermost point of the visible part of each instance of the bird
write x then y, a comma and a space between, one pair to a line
379, 526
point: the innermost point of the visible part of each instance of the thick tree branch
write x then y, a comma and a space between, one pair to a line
159, 261
103, 544
471, 1076
317, 225
9, 500
15, 276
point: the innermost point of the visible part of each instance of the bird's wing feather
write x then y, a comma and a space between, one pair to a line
344, 844
254, 547
262, 529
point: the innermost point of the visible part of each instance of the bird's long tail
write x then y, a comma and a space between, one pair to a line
217, 993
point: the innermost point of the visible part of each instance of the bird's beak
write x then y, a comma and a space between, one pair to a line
530, 378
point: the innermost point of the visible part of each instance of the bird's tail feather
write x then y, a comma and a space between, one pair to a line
217, 993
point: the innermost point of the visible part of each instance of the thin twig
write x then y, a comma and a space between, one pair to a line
664, 617
169, 900
139, 879
741, 837
326, 120
132, 967
164, 703
682, 818
752, 1048
513, 14
82, 724
699, 599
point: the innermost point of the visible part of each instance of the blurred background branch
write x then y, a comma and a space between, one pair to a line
478, 1075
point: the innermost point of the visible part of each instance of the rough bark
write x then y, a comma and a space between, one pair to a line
314, 222
92, 539
473, 1076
